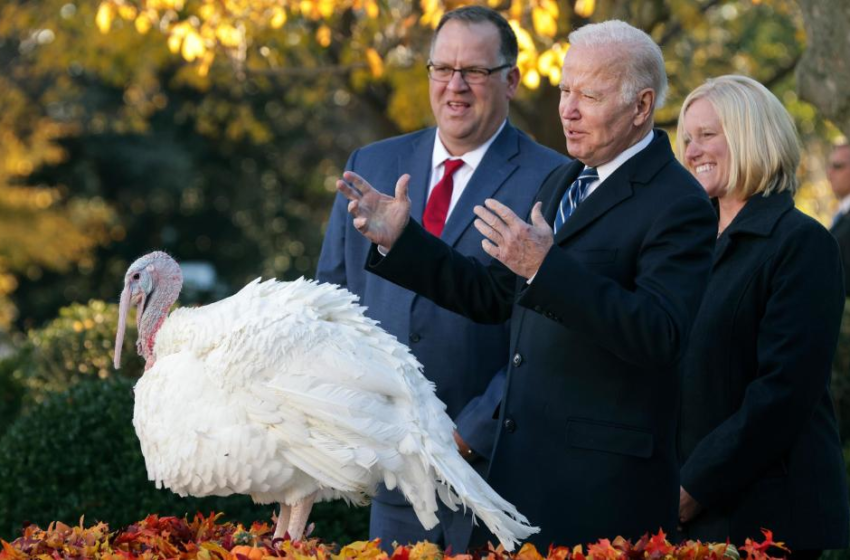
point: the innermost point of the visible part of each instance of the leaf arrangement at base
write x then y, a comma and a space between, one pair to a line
205, 538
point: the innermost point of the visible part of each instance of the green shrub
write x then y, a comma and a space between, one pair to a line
11, 391
77, 454
77, 345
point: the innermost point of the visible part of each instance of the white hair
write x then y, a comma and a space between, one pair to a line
645, 66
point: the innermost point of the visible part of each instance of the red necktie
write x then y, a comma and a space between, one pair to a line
434, 217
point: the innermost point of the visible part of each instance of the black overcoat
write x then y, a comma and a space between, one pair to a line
758, 434
586, 447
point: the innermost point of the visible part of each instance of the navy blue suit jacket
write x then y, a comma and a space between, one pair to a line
586, 447
458, 355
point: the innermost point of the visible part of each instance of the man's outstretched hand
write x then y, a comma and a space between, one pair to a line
520, 246
380, 218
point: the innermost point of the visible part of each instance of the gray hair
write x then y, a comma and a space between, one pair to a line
646, 64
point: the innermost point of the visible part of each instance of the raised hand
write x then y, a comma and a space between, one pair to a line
518, 245
379, 217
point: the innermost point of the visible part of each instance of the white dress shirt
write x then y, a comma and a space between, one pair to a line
607, 169
461, 178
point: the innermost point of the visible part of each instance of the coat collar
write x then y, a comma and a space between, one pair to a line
758, 217
639, 169
489, 176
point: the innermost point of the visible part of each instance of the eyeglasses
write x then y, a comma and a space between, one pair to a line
471, 75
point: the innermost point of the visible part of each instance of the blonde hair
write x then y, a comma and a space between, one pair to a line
764, 150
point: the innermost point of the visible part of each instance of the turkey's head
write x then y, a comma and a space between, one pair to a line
152, 285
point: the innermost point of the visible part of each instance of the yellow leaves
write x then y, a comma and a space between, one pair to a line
544, 18
536, 66
278, 18
323, 35
360, 550
104, 17
229, 36
584, 8
523, 37
27, 198
199, 31
425, 551
432, 11
193, 46
143, 24
372, 10
376, 65
127, 12
326, 8
549, 62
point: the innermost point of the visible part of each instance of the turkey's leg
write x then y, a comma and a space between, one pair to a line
298, 519
282, 521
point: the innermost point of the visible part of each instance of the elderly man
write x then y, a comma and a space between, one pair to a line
474, 153
838, 173
601, 287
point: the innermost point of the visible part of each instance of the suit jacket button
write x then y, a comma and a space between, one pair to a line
414, 337
510, 425
517, 359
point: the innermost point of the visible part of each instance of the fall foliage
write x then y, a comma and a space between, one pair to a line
214, 129
207, 538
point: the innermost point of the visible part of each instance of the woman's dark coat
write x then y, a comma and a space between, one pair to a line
758, 437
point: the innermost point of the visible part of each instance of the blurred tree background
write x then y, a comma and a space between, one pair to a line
215, 130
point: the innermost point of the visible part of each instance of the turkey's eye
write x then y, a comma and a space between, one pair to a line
136, 276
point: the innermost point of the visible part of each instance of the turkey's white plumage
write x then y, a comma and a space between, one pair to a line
286, 390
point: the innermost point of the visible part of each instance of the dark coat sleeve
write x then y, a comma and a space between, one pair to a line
484, 293
647, 325
795, 344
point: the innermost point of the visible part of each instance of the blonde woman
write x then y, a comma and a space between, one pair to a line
758, 437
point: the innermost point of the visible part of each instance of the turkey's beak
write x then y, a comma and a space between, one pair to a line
123, 311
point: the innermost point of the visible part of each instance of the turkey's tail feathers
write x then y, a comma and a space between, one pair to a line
461, 485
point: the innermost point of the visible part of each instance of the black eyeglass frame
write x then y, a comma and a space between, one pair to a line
464, 72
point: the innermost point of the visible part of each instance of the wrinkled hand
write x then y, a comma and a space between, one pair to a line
379, 217
688, 506
516, 244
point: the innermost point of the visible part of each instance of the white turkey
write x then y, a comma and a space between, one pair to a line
287, 392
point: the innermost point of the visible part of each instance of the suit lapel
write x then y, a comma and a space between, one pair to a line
611, 192
489, 176
417, 162
552, 198
637, 170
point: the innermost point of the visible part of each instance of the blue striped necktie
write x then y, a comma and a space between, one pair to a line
574, 195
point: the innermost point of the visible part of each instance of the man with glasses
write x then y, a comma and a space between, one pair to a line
473, 154
838, 173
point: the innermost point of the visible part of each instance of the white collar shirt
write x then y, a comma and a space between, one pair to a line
607, 169
461, 178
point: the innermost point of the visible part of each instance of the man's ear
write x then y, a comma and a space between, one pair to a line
513, 81
644, 107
